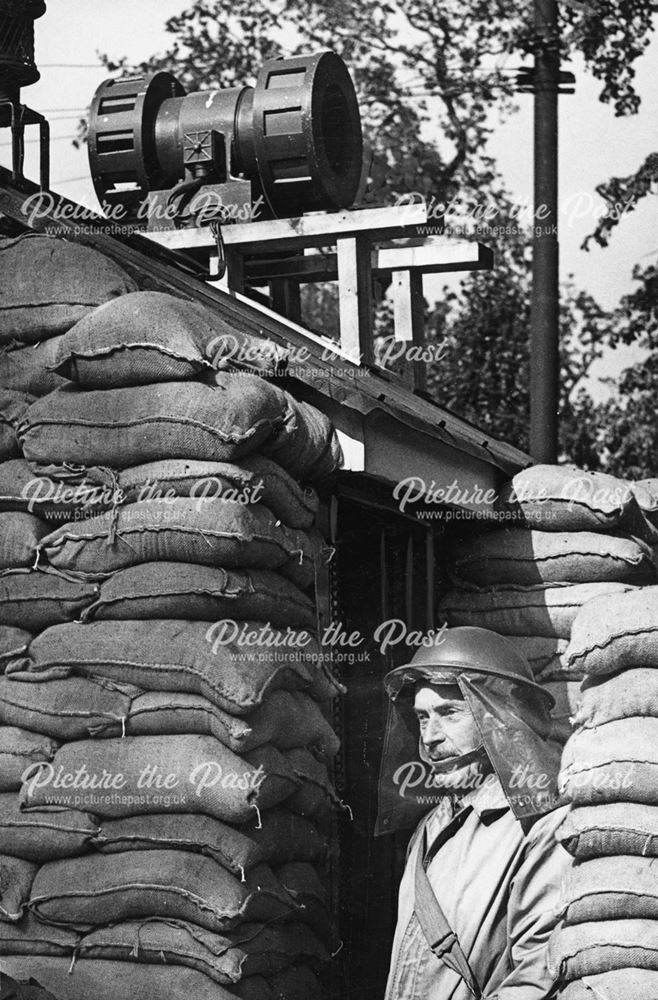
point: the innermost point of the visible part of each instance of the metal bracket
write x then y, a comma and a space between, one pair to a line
200, 148
17, 116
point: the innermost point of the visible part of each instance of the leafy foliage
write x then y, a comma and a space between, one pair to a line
612, 35
484, 370
627, 430
622, 195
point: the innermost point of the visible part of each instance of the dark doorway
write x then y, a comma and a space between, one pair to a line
386, 567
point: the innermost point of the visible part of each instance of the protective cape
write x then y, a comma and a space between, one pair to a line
512, 716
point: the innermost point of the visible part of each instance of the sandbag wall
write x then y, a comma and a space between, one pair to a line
164, 796
607, 948
567, 537
573, 584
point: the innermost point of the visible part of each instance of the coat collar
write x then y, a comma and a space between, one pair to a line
488, 801
488, 798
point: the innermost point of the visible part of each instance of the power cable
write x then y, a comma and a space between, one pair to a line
52, 111
70, 180
31, 142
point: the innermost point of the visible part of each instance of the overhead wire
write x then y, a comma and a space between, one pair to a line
70, 180
31, 142
53, 111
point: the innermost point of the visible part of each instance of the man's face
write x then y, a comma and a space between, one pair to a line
447, 726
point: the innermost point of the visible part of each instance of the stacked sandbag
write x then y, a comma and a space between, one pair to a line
27, 839
28, 368
47, 286
33, 597
608, 944
180, 809
13, 406
573, 537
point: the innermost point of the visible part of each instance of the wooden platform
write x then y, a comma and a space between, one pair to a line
379, 241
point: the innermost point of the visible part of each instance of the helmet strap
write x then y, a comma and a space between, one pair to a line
456, 763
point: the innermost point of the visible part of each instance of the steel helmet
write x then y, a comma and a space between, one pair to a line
466, 649
511, 711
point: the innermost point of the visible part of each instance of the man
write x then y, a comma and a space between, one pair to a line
478, 898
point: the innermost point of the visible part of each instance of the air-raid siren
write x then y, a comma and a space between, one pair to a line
293, 140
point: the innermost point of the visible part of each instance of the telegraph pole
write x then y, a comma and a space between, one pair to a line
544, 338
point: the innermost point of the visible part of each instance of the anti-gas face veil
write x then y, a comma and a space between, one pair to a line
510, 711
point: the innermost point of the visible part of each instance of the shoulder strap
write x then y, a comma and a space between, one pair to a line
441, 938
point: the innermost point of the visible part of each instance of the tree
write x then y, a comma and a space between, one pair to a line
626, 439
627, 423
431, 79
622, 432
483, 370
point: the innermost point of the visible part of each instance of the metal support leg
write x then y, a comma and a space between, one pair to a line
44, 154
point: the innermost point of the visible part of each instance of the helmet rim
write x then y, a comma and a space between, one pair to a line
430, 657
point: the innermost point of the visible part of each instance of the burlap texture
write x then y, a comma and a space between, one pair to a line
43, 834
237, 674
48, 284
596, 947
616, 632
524, 611
218, 419
106, 888
519, 556
152, 774
612, 828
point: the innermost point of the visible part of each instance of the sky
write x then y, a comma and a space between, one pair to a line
594, 145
